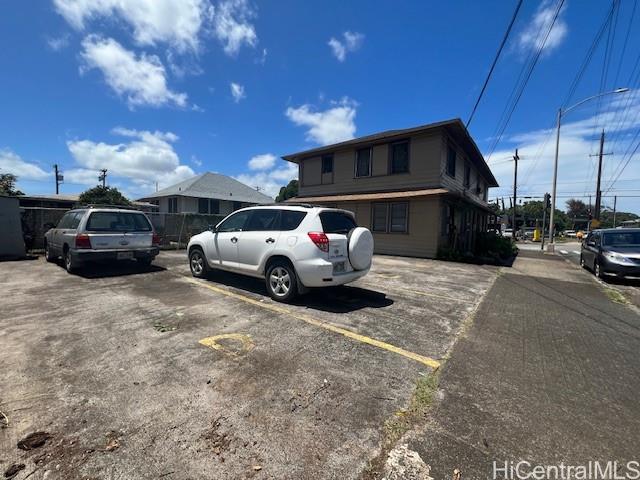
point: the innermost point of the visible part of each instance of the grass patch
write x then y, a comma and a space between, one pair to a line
402, 420
161, 327
616, 296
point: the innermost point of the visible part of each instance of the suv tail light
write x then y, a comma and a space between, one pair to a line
83, 241
320, 239
156, 239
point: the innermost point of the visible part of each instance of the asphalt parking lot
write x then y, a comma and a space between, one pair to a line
149, 373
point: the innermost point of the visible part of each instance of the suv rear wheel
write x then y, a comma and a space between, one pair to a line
48, 256
281, 281
70, 264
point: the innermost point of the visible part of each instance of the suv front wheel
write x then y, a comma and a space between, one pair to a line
198, 263
281, 281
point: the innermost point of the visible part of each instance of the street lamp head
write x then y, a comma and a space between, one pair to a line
621, 90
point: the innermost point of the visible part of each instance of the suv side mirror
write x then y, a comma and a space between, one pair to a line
212, 228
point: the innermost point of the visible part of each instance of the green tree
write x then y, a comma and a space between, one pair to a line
577, 208
103, 196
290, 191
8, 185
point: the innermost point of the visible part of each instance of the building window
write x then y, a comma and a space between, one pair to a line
479, 187
390, 217
327, 164
363, 162
379, 223
451, 161
467, 175
237, 206
399, 157
173, 204
208, 206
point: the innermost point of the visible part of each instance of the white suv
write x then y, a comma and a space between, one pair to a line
292, 247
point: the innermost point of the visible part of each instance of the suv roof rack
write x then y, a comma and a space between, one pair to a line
105, 205
288, 204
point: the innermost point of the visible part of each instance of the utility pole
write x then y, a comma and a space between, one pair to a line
597, 207
59, 178
515, 190
615, 200
103, 177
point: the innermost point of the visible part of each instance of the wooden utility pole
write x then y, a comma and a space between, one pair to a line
59, 178
615, 200
515, 190
597, 206
103, 177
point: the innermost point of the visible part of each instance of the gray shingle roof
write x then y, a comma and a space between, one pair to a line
213, 185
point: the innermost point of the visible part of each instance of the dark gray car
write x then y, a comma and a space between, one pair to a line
92, 234
613, 251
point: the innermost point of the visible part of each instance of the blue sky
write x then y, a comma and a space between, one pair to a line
159, 90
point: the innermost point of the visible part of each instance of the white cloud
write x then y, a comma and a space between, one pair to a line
58, 43
351, 42
11, 162
237, 92
141, 80
81, 176
147, 158
232, 25
333, 125
531, 37
270, 181
576, 169
176, 22
264, 161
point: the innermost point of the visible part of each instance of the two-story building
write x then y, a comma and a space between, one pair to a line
417, 189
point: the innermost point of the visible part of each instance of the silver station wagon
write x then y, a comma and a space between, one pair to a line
100, 233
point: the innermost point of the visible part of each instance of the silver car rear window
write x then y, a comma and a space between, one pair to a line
118, 222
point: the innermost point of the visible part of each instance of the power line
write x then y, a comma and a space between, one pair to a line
572, 88
495, 61
529, 70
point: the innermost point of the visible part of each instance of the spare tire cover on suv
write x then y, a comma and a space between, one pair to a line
360, 248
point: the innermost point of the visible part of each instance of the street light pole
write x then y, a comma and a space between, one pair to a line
551, 244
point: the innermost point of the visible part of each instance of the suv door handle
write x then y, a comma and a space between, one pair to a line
234, 239
270, 240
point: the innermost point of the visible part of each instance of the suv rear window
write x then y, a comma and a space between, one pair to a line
337, 222
118, 222
291, 219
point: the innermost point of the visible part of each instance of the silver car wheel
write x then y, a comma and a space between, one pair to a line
197, 263
280, 281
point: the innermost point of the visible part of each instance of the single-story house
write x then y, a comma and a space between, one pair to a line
417, 189
207, 193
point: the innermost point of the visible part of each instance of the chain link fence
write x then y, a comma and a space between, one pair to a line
175, 229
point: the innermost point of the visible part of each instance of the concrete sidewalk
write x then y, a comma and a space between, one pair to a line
548, 373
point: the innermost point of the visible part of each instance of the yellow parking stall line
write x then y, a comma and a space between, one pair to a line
430, 362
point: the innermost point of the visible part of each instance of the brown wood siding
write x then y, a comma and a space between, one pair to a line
424, 169
457, 184
424, 224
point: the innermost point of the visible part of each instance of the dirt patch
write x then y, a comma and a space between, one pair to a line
34, 440
218, 441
